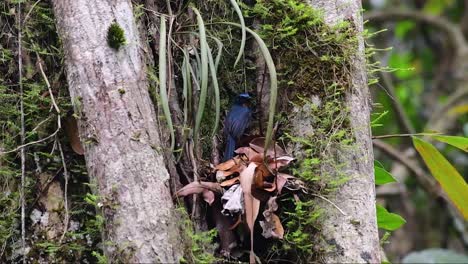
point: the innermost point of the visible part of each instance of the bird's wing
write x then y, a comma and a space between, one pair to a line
238, 121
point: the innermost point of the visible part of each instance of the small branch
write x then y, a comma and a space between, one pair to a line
33, 142
23, 139
325, 199
215, 157
404, 135
48, 85
454, 33
65, 195
196, 177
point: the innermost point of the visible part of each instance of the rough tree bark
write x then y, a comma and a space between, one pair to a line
117, 127
355, 235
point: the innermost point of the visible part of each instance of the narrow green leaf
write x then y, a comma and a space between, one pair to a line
458, 142
163, 79
447, 176
187, 86
203, 72
220, 52
214, 81
187, 98
382, 176
273, 83
243, 29
388, 221
194, 50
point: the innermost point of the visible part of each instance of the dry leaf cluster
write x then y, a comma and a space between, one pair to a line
247, 180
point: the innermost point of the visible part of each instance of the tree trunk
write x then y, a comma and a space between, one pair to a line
354, 235
117, 126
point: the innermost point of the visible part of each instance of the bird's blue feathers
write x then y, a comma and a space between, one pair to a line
230, 147
235, 124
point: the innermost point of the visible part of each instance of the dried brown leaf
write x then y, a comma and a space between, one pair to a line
257, 158
269, 187
205, 188
248, 152
252, 205
258, 144
278, 230
280, 162
272, 226
261, 172
230, 182
208, 196
281, 179
228, 164
237, 165
71, 129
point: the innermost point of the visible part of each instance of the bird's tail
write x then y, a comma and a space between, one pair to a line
230, 147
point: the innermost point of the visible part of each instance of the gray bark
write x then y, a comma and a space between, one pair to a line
117, 126
354, 235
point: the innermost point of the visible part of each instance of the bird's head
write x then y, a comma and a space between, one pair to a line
243, 99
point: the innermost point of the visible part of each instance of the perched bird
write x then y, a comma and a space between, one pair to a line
237, 120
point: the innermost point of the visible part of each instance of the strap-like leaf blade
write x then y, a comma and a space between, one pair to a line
458, 142
243, 29
203, 72
163, 79
448, 177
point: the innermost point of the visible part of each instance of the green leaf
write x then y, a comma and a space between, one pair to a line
458, 142
388, 221
163, 78
204, 49
382, 176
214, 82
447, 176
243, 29
220, 51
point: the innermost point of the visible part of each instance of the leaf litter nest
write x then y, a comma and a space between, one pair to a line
244, 182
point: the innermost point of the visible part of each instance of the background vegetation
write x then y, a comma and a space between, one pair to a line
422, 90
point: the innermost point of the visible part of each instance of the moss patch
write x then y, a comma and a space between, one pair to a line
199, 247
116, 36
